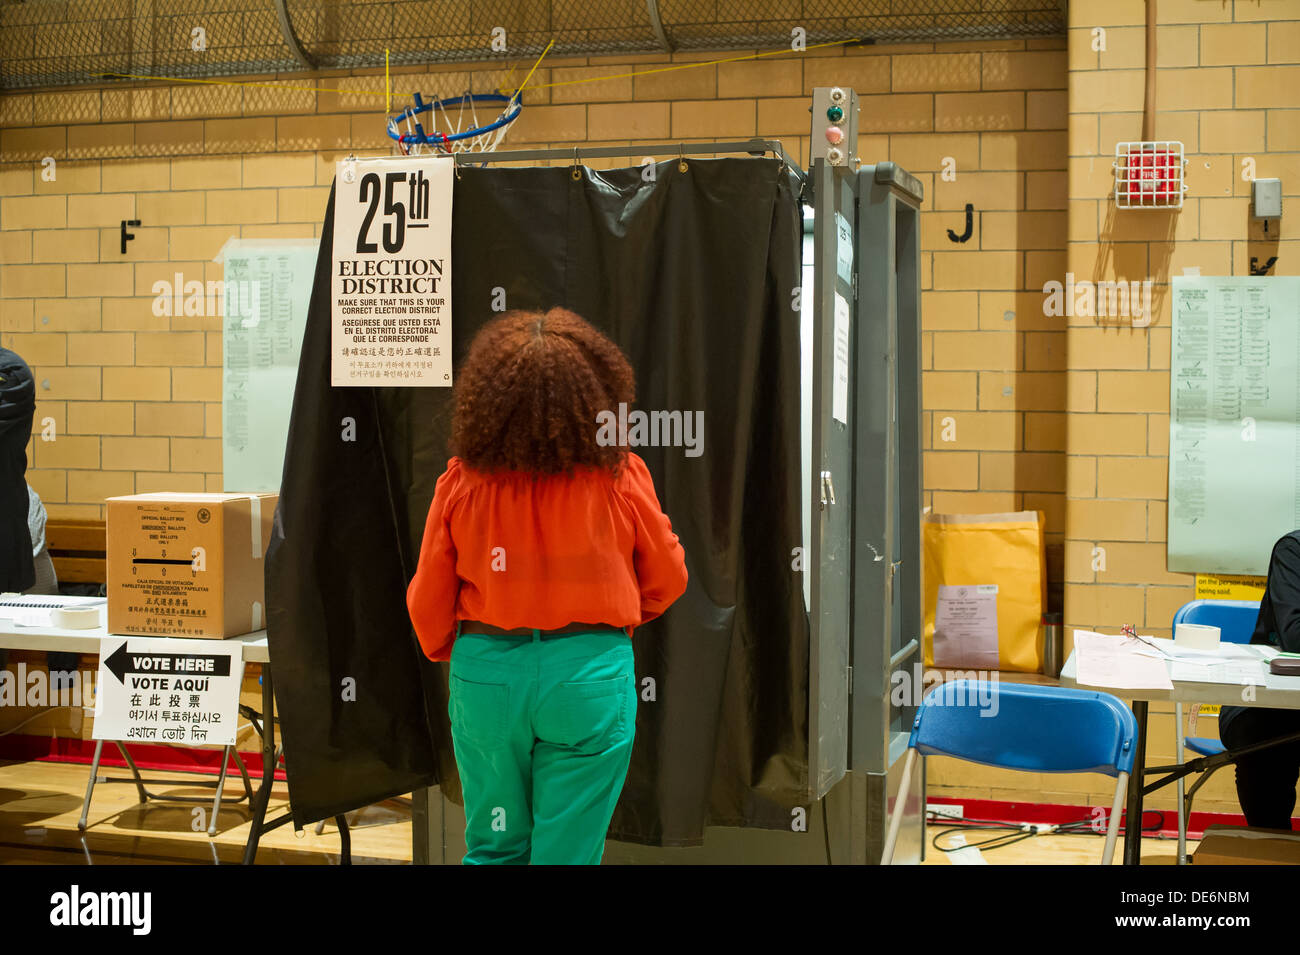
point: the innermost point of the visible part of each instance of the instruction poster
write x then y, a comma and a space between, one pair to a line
1233, 475
966, 626
391, 272
1229, 587
167, 690
260, 358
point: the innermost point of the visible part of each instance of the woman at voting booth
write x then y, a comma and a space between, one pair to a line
545, 547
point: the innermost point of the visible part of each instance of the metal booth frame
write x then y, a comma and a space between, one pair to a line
865, 588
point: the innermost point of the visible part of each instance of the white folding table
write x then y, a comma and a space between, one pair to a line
1277, 692
15, 637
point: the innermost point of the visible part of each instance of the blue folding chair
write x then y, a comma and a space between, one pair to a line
1236, 622
1040, 729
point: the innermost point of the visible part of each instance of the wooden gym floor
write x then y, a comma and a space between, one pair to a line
40, 803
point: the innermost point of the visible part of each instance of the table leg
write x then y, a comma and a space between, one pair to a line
90, 786
221, 785
345, 840
1133, 812
263, 796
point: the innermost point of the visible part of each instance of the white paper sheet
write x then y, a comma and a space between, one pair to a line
967, 854
840, 382
1275, 681
966, 626
1168, 650
260, 359
1237, 673
1114, 662
1233, 428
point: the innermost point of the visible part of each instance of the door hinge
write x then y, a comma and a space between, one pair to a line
850, 669
855, 286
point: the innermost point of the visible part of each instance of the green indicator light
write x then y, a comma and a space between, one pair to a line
835, 114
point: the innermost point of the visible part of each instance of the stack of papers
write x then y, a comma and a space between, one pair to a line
1116, 662
1152, 663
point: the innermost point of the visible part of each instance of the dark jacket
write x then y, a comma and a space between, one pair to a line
1278, 623
17, 408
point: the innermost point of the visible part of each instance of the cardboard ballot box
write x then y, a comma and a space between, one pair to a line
188, 565
1239, 845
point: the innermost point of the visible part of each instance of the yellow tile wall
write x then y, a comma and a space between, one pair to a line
1224, 90
1219, 90
138, 395
1050, 413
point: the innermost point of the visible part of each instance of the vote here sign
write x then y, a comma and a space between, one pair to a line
168, 691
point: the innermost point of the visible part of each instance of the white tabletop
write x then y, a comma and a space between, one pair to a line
15, 637
1278, 692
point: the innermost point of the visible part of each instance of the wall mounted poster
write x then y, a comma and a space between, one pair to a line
391, 273
260, 352
1233, 475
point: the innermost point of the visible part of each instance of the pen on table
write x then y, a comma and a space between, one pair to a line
1129, 630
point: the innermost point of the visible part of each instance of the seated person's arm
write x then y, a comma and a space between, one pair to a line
1284, 592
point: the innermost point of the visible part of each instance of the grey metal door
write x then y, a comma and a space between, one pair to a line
835, 195
887, 617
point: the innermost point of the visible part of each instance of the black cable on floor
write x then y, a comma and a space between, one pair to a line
826, 831
1011, 833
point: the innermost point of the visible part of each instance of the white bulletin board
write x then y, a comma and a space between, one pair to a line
260, 346
1234, 478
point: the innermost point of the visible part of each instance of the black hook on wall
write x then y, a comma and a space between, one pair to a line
970, 226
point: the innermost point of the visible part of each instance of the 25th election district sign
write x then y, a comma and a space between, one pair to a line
391, 272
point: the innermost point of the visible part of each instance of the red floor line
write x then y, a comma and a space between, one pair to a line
147, 756
1056, 814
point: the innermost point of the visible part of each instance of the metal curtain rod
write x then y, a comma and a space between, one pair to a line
752, 146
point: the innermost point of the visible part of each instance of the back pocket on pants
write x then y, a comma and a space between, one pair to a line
588, 714
479, 712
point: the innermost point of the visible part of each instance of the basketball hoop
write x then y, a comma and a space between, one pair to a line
455, 123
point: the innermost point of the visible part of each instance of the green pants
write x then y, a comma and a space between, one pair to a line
543, 730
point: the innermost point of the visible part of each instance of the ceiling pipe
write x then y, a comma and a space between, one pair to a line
1149, 103
657, 24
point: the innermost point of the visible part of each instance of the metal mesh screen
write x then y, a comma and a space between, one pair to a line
64, 42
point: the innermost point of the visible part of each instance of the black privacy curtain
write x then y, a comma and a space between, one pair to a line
693, 274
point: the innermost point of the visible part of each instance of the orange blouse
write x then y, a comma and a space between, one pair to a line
512, 551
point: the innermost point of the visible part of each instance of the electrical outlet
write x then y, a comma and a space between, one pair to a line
944, 810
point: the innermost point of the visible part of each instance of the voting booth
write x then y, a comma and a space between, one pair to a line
802, 572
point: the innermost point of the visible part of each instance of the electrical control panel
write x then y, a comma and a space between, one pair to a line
1266, 199
835, 126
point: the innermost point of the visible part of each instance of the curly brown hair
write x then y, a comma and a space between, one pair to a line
529, 391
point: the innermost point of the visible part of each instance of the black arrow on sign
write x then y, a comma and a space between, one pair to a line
119, 664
